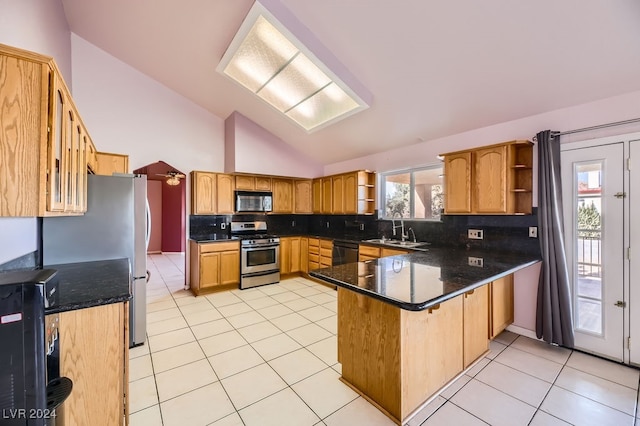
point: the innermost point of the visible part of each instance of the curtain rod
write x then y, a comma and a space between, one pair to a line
599, 126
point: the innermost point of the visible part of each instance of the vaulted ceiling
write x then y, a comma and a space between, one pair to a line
434, 68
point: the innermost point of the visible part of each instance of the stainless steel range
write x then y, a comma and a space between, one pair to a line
259, 254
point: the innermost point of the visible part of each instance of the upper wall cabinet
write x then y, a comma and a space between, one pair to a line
211, 193
43, 141
108, 163
253, 182
346, 193
282, 195
496, 179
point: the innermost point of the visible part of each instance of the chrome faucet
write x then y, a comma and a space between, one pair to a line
403, 236
413, 233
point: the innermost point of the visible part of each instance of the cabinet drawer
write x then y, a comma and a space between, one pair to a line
326, 244
215, 247
314, 242
314, 265
369, 251
364, 258
326, 252
314, 257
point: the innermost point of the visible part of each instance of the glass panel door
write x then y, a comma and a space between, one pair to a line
594, 242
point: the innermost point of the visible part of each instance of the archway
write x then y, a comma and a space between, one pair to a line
168, 208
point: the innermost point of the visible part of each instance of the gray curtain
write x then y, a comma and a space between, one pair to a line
553, 317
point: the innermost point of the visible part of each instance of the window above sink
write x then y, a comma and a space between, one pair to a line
412, 194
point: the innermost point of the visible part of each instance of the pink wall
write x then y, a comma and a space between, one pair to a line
252, 149
154, 195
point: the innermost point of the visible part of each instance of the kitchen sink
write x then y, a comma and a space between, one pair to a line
398, 243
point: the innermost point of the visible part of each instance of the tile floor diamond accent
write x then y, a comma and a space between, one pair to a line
275, 350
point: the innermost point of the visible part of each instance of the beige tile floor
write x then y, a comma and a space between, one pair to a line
267, 356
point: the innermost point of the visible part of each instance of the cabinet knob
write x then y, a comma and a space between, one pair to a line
434, 308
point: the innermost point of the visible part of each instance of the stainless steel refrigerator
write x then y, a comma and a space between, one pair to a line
116, 225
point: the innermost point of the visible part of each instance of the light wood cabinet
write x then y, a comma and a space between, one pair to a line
290, 255
422, 350
314, 253
225, 187
457, 176
212, 193
326, 253
476, 307
304, 254
368, 253
327, 196
282, 195
385, 252
94, 345
109, 163
40, 147
501, 306
317, 196
337, 194
495, 179
253, 182
214, 266
303, 193
203, 193
92, 155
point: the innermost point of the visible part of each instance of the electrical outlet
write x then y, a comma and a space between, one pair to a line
362, 226
476, 261
533, 231
327, 224
475, 234
223, 225
293, 223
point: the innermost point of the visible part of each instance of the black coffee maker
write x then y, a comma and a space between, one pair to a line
31, 389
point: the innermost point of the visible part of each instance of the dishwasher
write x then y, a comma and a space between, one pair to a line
344, 252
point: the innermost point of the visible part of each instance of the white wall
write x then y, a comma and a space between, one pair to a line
618, 108
250, 148
127, 112
39, 26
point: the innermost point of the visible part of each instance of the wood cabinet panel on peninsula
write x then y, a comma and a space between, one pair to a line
501, 306
42, 162
496, 179
214, 266
94, 346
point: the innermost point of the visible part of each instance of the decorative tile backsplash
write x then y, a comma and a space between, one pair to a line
501, 233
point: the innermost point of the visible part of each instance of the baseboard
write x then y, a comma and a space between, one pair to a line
522, 331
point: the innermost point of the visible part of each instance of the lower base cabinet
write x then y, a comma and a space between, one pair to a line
501, 306
94, 346
214, 266
476, 308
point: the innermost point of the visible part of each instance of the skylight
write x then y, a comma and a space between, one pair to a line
271, 62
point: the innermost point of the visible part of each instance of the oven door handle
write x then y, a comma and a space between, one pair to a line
254, 248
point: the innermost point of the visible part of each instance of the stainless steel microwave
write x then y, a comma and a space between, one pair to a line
252, 201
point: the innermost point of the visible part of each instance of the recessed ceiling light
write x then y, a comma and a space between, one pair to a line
266, 58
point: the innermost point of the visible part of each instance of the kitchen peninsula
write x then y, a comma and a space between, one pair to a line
410, 324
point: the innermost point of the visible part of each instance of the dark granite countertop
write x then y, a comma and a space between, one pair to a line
420, 280
87, 284
212, 238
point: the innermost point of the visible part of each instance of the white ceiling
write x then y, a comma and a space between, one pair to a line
435, 68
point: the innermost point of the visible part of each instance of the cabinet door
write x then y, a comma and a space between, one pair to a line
501, 314
209, 270
490, 180
247, 183
457, 176
109, 163
225, 188
263, 183
350, 193
203, 193
327, 197
475, 328
285, 255
302, 196
295, 254
230, 267
385, 252
337, 197
68, 165
282, 195
80, 170
317, 196
93, 357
